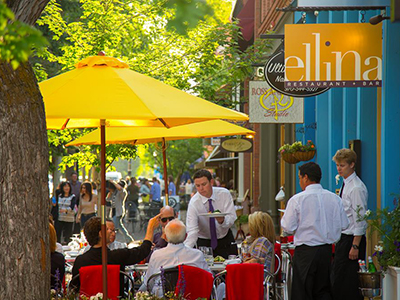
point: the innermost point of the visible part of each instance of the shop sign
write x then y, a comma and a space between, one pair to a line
236, 145
215, 141
269, 106
344, 3
333, 55
274, 73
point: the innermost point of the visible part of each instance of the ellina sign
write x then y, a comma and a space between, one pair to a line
333, 55
274, 73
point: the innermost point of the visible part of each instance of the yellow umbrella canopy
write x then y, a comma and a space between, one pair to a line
102, 91
137, 135
104, 88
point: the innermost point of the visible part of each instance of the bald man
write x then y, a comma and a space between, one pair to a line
174, 254
167, 214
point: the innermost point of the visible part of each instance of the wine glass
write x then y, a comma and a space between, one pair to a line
208, 254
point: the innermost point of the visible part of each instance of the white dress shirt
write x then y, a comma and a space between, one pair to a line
354, 198
199, 226
315, 216
174, 255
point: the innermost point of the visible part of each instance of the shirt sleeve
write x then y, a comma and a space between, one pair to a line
289, 220
134, 255
359, 198
73, 202
229, 208
343, 216
264, 249
192, 224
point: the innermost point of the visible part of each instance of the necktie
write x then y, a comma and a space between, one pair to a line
341, 190
213, 229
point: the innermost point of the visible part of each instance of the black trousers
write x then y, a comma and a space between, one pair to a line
64, 228
224, 247
311, 272
344, 272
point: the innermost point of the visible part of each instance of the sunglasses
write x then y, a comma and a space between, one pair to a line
167, 219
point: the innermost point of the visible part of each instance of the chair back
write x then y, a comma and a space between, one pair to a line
194, 283
244, 281
160, 286
92, 281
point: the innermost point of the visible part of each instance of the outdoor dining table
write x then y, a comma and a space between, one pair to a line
216, 267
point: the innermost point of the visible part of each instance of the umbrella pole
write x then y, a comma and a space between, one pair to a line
103, 207
164, 154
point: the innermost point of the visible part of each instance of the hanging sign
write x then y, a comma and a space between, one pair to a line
274, 73
236, 145
269, 106
333, 55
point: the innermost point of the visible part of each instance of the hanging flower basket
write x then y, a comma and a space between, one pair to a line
297, 152
289, 158
304, 156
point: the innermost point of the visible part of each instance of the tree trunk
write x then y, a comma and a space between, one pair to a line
24, 195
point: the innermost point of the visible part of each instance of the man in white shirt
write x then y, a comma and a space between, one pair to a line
352, 244
174, 254
316, 217
206, 231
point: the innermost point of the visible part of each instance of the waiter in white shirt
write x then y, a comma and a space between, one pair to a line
206, 231
352, 244
316, 217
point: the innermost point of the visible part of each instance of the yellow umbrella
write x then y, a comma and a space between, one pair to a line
103, 87
102, 91
137, 135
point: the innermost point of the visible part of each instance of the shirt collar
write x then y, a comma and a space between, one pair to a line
314, 186
204, 200
350, 178
175, 246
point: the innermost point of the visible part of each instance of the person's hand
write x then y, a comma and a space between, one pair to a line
154, 222
251, 261
220, 220
353, 254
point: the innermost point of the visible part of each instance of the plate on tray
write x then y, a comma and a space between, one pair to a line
213, 215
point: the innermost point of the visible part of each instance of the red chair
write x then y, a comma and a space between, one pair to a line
194, 283
91, 281
244, 281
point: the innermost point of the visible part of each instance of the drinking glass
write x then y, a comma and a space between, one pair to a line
208, 255
245, 251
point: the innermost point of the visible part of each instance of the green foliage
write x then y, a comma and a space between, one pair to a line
17, 40
297, 147
200, 62
243, 219
187, 14
181, 155
387, 224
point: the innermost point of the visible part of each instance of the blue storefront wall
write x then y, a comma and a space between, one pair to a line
339, 115
390, 115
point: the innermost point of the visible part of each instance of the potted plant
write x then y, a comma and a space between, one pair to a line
242, 225
305, 152
386, 222
297, 152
